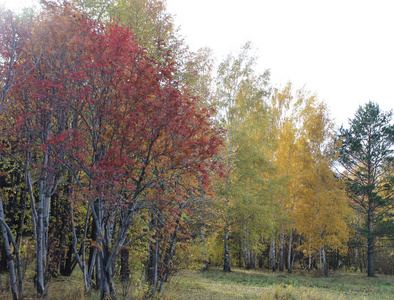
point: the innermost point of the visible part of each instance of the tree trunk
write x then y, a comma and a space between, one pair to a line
107, 286
361, 261
104, 280
273, 255
247, 258
40, 251
7, 248
67, 263
81, 262
98, 269
124, 265
3, 259
246, 252
152, 265
169, 255
241, 256
255, 259
204, 250
92, 261
371, 245
41, 220
226, 264
356, 247
324, 262
320, 258
289, 262
156, 264
281, 252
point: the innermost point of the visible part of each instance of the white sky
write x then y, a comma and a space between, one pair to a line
341, 49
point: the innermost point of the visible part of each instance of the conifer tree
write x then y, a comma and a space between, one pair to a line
366, 157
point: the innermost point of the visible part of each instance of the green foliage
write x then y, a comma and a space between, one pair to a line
367, 154
242, 97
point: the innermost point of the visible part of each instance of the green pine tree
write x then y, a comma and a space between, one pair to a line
367, 158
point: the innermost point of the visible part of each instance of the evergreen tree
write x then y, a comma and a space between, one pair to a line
366, 156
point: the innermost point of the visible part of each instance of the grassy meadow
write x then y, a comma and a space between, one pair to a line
242, 284
239, 284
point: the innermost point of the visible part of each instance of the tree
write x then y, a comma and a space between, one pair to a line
315, 205
113, 125
322, 207
241, 100
35, 126
285, 157
12, 52
15, 65
252, 182
366, 156
149, 19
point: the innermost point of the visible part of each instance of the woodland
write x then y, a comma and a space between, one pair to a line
126, 157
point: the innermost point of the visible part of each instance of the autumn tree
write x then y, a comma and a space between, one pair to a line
285, 154
13, 52
158, 134
100, 112
35, 126
253, 185
241, 97
14, 67
150, 21
322, 207
304, 156
366, 157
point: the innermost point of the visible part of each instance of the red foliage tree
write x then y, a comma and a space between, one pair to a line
99, 108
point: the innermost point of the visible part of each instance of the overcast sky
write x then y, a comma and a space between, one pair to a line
341, 49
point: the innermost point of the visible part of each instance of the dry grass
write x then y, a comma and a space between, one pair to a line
239, 284
60, 288
242, 284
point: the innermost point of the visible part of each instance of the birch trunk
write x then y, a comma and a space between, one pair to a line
324, 262
281, 252
255, 259
81, 262
41, 289
226, 264
289, 262
41, 219
273, 255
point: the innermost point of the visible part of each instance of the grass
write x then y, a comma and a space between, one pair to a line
59, 288
242, 284
239, 284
